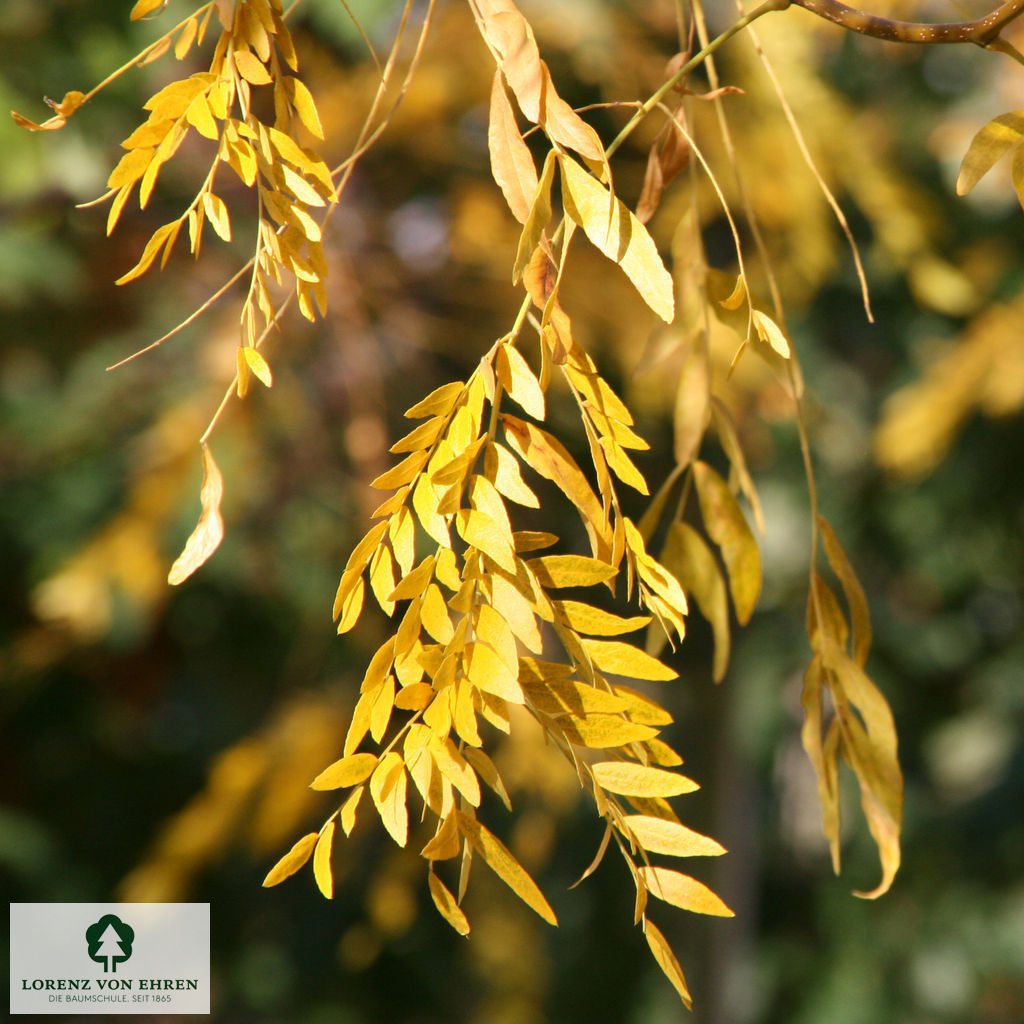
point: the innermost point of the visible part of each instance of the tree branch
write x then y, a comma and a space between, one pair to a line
983, 31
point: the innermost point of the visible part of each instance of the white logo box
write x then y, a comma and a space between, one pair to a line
93, 958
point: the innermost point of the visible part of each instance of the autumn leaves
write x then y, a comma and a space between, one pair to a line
495, 626
254, 49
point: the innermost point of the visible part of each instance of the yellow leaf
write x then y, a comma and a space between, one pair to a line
150, 252
570, 570
347, 814
728, 528
434, 615
144, 7
258, 365
446, 905
445, 842
739, 292
414, 697
601, 732
200, 117
455, 768
117, 206
517, 612
292, 861
585, 618
560, 697
322, 860
209, 531
500, 860
482, 532
519, 380
131, 166
564, 125
349, 771
403, 473
424, 501
770, 332
537, 220
241, 157
549, 457
683, 891
860, 617
667, 961
439, 402
511, 40
630, 779
622, 466
302, 100
624, 659
688, 558
693, 403
251, 68
490, 626
388, 789
217, 213
610, 225
486, 770
349, 604
534, 540
298, 185
489, 673
511, 163
186, 38
988, 145
655, 835
502, 468
642, 708
421, 437
484, 497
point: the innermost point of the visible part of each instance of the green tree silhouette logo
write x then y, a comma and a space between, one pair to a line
110, 942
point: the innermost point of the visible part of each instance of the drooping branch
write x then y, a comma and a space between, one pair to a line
984, 31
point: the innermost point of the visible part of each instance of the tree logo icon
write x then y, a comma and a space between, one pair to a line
110, 942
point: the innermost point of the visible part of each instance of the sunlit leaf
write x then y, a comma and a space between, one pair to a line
683, 891
537, 219
860, 618
728, 528
322, 860
520, 381
630, 779
349, 771
609, 224
445, 843
388, 789
656, 835
549, 457
585, 618
667, 961
770, 333
500, 860
692, 562
446, 905
511, 163
145, 7
997, 137
292, 861
570, 570
620, 658
209, 531
489, 673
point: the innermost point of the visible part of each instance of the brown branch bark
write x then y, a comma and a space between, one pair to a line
984, 31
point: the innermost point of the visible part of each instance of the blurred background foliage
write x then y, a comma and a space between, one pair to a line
158, 745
